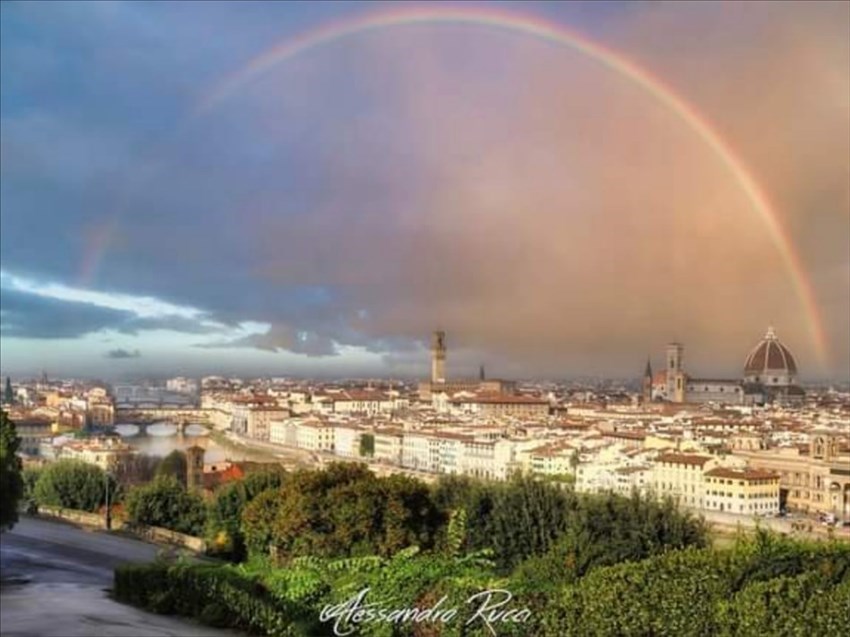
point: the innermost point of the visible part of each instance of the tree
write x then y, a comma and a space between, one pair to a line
73, 484
410, 517
166, 503
11, 482
258, 520
224, 529
367, 445
344, 510
8, 395
30, 476
173, 465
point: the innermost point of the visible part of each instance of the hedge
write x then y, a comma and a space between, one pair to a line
213, 594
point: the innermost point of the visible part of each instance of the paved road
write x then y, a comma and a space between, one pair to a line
55, 579
780, 525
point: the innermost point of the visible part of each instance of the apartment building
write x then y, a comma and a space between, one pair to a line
681, 477
742, 491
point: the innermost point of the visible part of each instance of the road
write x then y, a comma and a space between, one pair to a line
729, 522
55, 581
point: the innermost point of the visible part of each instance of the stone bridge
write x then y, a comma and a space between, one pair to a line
176, 416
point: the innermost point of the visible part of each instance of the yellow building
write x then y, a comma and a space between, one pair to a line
815, 478
681, 476
107, 453
742, 491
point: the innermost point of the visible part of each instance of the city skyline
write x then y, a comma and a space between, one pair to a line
311, 189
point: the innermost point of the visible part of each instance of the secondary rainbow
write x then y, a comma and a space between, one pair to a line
558, 34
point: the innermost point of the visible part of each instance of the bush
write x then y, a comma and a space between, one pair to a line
688, 592
165, 503
803, 605
193, 590
11, 482
225, 537
73, 484
344, 510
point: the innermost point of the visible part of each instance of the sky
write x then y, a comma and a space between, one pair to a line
323, 215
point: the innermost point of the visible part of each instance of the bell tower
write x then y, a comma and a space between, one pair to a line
647, 383
675, 374
438, 357
194, 468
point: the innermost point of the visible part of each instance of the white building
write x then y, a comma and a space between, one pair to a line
347, 440
388, 445
742, 491
681, 477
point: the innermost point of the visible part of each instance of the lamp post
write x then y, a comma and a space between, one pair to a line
106, 477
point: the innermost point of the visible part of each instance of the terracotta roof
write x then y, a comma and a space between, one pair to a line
629, 435
213, 479
503, 399
683, 458
742, 474
629, 470
770, 355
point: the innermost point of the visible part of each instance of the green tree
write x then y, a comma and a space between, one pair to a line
173, 465
166, 503
30, 476
8, 394
224, 529
73, 484
258, 518
367, 445
11, 482
344, 510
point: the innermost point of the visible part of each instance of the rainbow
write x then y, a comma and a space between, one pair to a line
557, 34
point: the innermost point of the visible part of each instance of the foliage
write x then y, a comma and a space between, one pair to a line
73, 484
524, 518
686, 592
258, 519
343, 510
517, 519
367, 445
218, 593
11, 482
166, 503
30, 476
173, 465
223, 529
693, 592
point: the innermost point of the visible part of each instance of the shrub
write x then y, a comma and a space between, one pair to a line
165, 503
73, 484
209, 593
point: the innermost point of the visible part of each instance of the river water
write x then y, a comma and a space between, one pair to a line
160, 439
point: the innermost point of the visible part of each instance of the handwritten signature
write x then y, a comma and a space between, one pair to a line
490, 607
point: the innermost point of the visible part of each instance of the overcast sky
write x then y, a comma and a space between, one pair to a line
547, 212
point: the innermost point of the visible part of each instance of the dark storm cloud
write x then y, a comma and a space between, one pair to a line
284, 338
171, 323
27, 315
547, 213
122, 354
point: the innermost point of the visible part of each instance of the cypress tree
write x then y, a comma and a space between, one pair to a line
8, 395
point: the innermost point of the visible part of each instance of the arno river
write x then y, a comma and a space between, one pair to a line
161, 439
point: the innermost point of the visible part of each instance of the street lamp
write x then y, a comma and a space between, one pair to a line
106, 476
